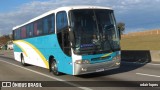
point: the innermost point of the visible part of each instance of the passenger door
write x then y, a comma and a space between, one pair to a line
64, 57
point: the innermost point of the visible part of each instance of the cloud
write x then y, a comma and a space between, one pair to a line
139, 14
135, 13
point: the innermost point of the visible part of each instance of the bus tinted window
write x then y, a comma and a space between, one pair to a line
61, 20
23, 32
51, 23
35, 29
14, 35
45, 27
18, 35
40, 27
29, 30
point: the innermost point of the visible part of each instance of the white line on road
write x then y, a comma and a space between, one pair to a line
153, 64
147, 75
140, 63
76, 85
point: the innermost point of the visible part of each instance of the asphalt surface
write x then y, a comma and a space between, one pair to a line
124, 78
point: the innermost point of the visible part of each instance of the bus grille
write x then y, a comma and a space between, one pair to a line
100, 58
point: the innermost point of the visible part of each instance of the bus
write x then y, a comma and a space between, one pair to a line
73, 40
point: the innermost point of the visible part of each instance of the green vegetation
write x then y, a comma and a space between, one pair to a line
148, 42
121, 27
5, 38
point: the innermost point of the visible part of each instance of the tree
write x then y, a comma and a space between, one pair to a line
121, 27
4, 39
11, 36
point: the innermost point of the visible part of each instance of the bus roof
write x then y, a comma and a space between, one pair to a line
67, 8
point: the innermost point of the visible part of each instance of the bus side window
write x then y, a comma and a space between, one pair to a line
45, 25
19, 33
31, 30
35, 28
28, 30
51, 23
61, 20
23, 32
15, 34
40, 27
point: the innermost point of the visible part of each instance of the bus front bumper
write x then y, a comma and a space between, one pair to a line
97, 67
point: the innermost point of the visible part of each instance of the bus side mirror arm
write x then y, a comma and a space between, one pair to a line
119, 32
71, 37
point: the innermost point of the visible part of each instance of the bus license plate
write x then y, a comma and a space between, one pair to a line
100, 70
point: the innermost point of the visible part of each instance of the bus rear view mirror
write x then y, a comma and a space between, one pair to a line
119, 32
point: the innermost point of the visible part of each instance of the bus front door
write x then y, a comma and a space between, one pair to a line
65, 60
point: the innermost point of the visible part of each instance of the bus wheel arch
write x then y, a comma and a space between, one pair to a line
53, 66
22, 60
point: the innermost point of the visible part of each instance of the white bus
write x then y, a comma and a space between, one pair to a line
73, 40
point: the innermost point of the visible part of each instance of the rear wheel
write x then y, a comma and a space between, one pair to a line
22, 60
54, 68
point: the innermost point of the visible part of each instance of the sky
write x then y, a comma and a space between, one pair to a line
138, 15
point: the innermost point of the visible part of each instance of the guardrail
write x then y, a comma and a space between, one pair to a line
7, 53
143, 56
142, 33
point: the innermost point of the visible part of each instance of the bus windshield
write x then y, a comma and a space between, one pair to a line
94, 30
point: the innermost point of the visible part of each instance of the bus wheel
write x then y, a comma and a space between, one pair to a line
54, 68
22, 60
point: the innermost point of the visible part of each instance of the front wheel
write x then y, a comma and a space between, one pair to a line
54, 68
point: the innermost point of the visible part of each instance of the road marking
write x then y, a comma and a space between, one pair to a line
140, 63
76, 85
147, 75
153, 64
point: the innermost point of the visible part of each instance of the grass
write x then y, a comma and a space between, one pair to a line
148, 42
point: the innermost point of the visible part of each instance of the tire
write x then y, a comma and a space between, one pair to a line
22, 61
54, 68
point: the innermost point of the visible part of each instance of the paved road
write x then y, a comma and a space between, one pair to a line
11, 70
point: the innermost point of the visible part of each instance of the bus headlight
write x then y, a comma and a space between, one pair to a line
82, 62
118, 57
